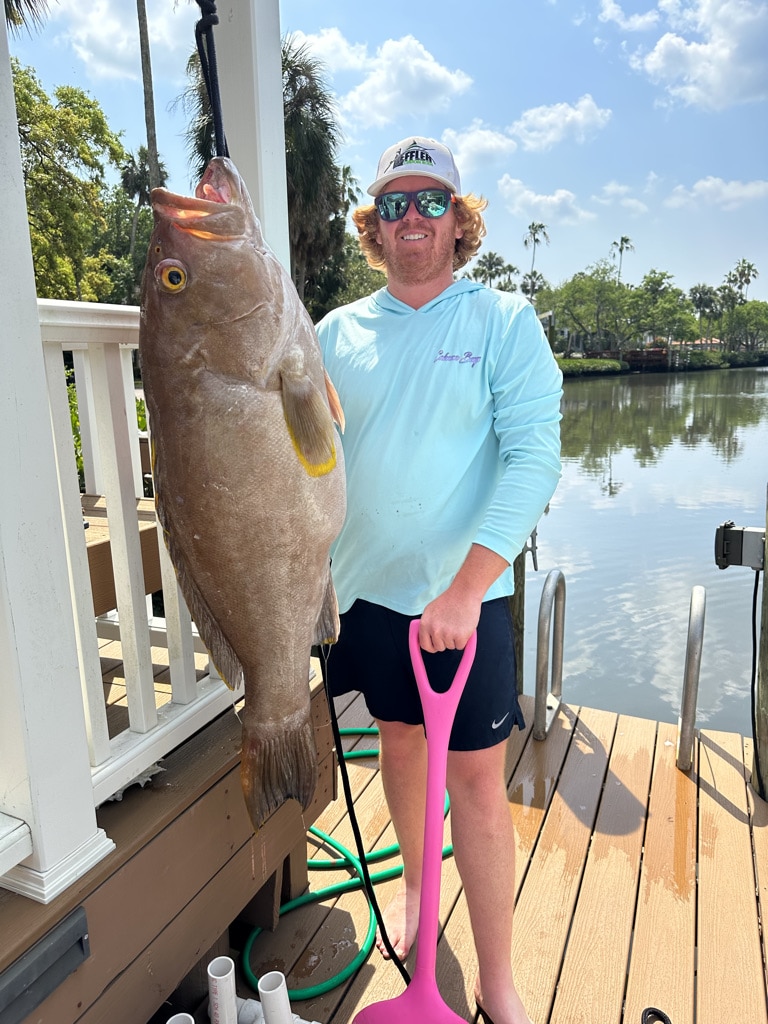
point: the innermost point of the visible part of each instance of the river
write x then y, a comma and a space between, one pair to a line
652, 465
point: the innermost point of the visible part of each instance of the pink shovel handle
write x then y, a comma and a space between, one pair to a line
439, 711
439, 708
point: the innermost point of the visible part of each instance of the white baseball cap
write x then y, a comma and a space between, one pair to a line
416, 155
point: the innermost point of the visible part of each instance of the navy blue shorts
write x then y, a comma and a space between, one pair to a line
372, 656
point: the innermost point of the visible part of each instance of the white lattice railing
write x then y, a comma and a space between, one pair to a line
102, 339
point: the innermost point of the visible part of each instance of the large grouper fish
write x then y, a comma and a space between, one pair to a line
248, 469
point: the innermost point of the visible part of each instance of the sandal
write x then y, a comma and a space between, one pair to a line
653, 1016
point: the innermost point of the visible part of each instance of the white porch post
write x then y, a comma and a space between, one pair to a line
247, 42
45, 779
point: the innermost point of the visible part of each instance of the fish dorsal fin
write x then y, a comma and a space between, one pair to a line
309, 423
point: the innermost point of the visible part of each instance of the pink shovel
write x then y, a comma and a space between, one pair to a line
421, 1003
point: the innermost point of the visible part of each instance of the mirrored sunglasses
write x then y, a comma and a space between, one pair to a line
430, 202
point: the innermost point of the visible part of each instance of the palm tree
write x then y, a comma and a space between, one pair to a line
743, 274
506, 284
532, 282
23, 13
320, 192
149, 97
489, 266
704, 299
135, 177
536, 233
623, 245
313, 177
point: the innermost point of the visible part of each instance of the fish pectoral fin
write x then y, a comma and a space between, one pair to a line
309, 423
335, 403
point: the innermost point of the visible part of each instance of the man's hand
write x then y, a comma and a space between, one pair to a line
448, 622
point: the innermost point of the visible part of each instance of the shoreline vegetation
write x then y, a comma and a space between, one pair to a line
659, 361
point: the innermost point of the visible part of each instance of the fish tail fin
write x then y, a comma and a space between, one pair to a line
327, 626
309, 423
278, 763
222, 655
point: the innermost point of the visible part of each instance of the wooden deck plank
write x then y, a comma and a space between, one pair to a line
758, 811
661, 971
550, 889
533, 770
594, 970
730, 980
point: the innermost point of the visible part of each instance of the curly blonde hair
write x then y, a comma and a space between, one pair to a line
467, 210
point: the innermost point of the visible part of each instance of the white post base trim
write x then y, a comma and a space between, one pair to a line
45, 886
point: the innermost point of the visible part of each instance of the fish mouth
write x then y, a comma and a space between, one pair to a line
217, 209
203, 218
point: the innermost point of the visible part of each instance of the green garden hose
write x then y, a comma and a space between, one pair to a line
346, 859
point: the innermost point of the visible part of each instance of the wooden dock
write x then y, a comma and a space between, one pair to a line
637, 885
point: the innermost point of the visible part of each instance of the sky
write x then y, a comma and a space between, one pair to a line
600, 119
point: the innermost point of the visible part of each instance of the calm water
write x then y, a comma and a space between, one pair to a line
652, 465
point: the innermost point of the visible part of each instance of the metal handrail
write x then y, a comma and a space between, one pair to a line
686, 725
548, 696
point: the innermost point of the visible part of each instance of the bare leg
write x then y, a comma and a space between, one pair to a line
483, 835
403, 757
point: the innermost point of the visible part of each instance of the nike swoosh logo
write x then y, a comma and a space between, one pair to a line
496, 725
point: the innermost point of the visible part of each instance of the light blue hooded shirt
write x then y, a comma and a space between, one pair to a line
452, 438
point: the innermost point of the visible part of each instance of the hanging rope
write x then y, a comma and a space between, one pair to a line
207, 53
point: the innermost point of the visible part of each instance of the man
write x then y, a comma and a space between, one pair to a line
452, 404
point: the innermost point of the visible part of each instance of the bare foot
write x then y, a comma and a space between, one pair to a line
401, 920
509, 1011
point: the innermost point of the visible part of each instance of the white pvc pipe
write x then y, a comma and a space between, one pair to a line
181, 1018
273, 993
221, 991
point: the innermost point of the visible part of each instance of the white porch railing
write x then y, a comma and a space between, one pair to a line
102, 339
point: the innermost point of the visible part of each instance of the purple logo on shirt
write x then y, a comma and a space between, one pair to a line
466, 357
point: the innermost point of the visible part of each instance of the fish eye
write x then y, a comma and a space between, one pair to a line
171, 275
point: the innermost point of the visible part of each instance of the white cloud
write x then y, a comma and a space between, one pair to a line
614, 194
610, 11
477, 146
541, 128
105, 36
714, 55
402, 76
334, 50
727, 195
559, 208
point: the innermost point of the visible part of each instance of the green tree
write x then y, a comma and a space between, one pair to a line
749, 326
594, 308
66, 145
704, 300
536, 234
663, 310
623, 245
136, 180
359, 278
318, 195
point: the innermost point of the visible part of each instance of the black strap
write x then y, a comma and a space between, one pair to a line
653, 1016
325, 651
209, 68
